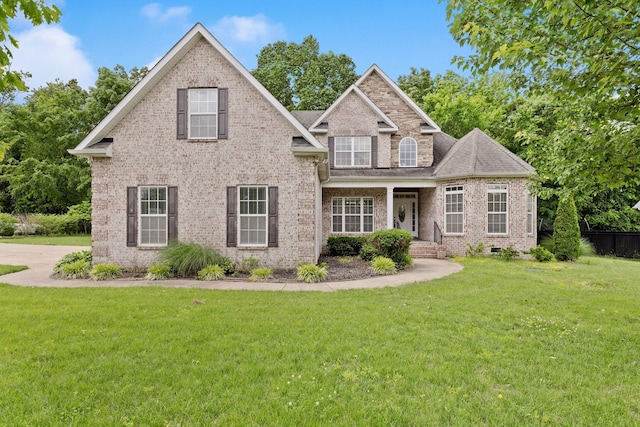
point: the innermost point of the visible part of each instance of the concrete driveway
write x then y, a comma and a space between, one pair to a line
41, 259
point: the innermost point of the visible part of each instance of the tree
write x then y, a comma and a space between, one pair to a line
566, 231
302, 78
417, 84
587, 55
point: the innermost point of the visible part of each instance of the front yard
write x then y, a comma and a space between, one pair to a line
500, 343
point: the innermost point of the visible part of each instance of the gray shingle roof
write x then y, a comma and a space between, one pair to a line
442, 143
477, 154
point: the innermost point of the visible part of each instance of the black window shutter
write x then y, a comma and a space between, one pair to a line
232, 221
331, 160
374, 151
172, 213
132, 216
273, 217
182, 114
223, 100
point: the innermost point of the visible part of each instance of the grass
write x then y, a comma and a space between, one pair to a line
8, 269
66, 240
518, 343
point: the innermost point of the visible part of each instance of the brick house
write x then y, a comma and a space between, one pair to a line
200, 151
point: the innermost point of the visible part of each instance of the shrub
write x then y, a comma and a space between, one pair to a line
84, 256
311, 273
586, 248
507, 254
80, 217
404, 261
249, 264
8, 224
105, 272
211, 272
75, 270
345, 245
541, 254
383, 265
158, 272
392, 244
187, 259
566, 231
368, 252
547, 243
473, 251
262, 273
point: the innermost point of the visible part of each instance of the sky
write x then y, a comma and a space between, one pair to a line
103, 33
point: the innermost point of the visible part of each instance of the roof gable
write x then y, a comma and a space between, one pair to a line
477, 154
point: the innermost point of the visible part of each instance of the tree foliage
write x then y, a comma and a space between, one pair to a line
301, 77
566, 231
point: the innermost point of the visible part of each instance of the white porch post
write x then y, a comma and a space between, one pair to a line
389, 207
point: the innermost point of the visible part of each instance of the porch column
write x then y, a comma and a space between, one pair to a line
389, 207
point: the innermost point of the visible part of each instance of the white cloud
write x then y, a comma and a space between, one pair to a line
49, 53
154, 12
247, 29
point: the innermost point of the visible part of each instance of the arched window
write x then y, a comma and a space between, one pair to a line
408, 153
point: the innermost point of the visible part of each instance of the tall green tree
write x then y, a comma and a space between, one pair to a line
417, 84
301, 77
566, 231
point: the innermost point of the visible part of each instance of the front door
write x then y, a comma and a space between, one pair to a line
405, 212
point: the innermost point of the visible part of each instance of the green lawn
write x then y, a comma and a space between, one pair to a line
65, 240
501, 343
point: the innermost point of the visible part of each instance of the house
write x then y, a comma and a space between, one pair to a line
200, 151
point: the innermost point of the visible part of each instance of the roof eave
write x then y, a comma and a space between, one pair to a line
92, 152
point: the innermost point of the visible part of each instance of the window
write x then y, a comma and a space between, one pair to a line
153, 216
454, 210
352, 151
497, 208
203, 113
352, 214
530, 216
253, 216
408, 153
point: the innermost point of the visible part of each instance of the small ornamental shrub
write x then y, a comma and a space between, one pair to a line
541, 254
8, 224
507, 254
392, 244
84, 256
566, 231
158, 272
547, 243
249, 264
261, 273
75, 270
311, 273
586, 248
368, 252
187, 259
105, 272
383, 265
404, 261
473, 251
345, 245
211, 272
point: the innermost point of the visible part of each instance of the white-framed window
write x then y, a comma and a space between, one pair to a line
454, 209
497, 218
408, 153
203, 113
152, 230
352, 214
252, 208
530, 210
352, 151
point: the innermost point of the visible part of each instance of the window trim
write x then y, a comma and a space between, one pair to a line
454, 190
141, 215
248, 215
498, 188
190, 113
414, 152
362, 215
352, 151
531, 203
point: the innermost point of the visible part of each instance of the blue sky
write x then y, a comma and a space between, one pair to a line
91, 33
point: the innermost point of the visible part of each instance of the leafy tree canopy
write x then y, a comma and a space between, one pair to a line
301, 77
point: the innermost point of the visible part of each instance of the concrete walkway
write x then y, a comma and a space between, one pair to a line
41, 259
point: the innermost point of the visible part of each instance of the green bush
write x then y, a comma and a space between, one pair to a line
368, 252
507, 254
345, 245
383, 265
404, 261
187, 259
392, 244
75, 270
249, 264
158, 272
8, 224
566, 231
541, 254
105, 272
79, 217
473, 251
311, 273
261, 273
586, 248
211, 272
73, 257
547, 243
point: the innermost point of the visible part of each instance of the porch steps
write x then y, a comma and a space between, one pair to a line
424, 249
